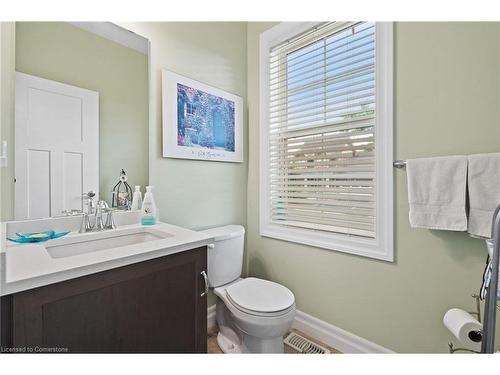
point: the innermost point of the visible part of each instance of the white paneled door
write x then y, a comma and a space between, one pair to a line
57, 146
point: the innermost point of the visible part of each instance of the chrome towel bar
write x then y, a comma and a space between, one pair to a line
399, 164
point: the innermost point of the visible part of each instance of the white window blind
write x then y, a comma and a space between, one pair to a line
321, 118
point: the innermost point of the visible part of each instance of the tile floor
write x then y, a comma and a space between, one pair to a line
213, 348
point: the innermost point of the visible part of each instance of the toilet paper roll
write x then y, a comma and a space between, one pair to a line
464, 327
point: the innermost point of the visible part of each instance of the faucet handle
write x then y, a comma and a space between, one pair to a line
89, 194
110, 221
103, 205
85, 225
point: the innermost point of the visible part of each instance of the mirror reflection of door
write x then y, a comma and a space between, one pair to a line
57, 146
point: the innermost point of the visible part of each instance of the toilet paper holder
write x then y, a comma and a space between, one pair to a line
478, 335
477, 297
452, 349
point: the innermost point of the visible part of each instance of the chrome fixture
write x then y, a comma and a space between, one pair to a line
400, 164
110, 221
477, 297
205, 280
97, 212
101, 207
90, 201
488, 343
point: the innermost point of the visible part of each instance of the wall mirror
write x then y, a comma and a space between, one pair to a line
81, 114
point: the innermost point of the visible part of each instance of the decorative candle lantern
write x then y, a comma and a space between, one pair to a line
122, 193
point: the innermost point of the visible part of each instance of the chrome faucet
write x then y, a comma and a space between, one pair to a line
97, 211
90, 201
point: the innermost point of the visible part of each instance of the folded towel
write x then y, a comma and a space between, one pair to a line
436, 192
484, 192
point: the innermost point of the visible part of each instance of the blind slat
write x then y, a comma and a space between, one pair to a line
323, 202
317, 33
331, 94
356, 73
368, 212
321, 51
353, 150
297, 125
360, 218
361, 93
321, 82
277, 51
345, 190
329, 163
345, 183
325, 220
317, 151
322, 140
327, 128
327, 69
313, 66
325, 195
325, 110
328, 228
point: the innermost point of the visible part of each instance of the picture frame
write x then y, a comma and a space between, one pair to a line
200, 121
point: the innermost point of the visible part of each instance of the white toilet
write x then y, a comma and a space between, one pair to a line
252, 314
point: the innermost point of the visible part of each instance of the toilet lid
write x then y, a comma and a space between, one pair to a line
260, 295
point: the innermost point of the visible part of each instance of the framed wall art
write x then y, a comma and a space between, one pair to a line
200, 121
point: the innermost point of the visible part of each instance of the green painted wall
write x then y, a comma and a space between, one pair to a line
192, 193
195, 193
65, 53
446, 102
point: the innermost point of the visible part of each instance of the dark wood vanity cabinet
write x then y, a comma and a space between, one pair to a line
155, 306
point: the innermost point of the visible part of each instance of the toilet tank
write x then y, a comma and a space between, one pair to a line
225, 256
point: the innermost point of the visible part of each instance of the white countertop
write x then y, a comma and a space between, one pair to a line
27, 266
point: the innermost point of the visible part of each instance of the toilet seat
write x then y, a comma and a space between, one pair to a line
260, 297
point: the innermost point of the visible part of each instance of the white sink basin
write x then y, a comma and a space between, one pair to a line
105, 240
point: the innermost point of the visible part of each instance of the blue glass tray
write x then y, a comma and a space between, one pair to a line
37, 236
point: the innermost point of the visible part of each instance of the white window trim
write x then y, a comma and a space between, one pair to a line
382, 246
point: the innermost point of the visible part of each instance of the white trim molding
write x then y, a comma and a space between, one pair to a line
343, 341
380, 247
335, 337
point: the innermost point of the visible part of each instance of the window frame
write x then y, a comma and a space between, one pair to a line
189, 110
381, 247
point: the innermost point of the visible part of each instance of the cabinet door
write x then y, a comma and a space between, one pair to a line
149, 307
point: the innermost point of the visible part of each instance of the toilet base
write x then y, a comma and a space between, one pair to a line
226, 345
233, 336
251, 345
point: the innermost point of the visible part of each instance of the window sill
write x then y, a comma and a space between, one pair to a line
371, 248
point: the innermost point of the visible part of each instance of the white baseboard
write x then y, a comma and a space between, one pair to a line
343, 341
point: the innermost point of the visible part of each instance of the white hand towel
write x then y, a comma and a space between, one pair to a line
436, 192
484, 192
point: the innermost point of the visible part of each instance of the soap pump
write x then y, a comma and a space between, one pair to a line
148, 208
137, 199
